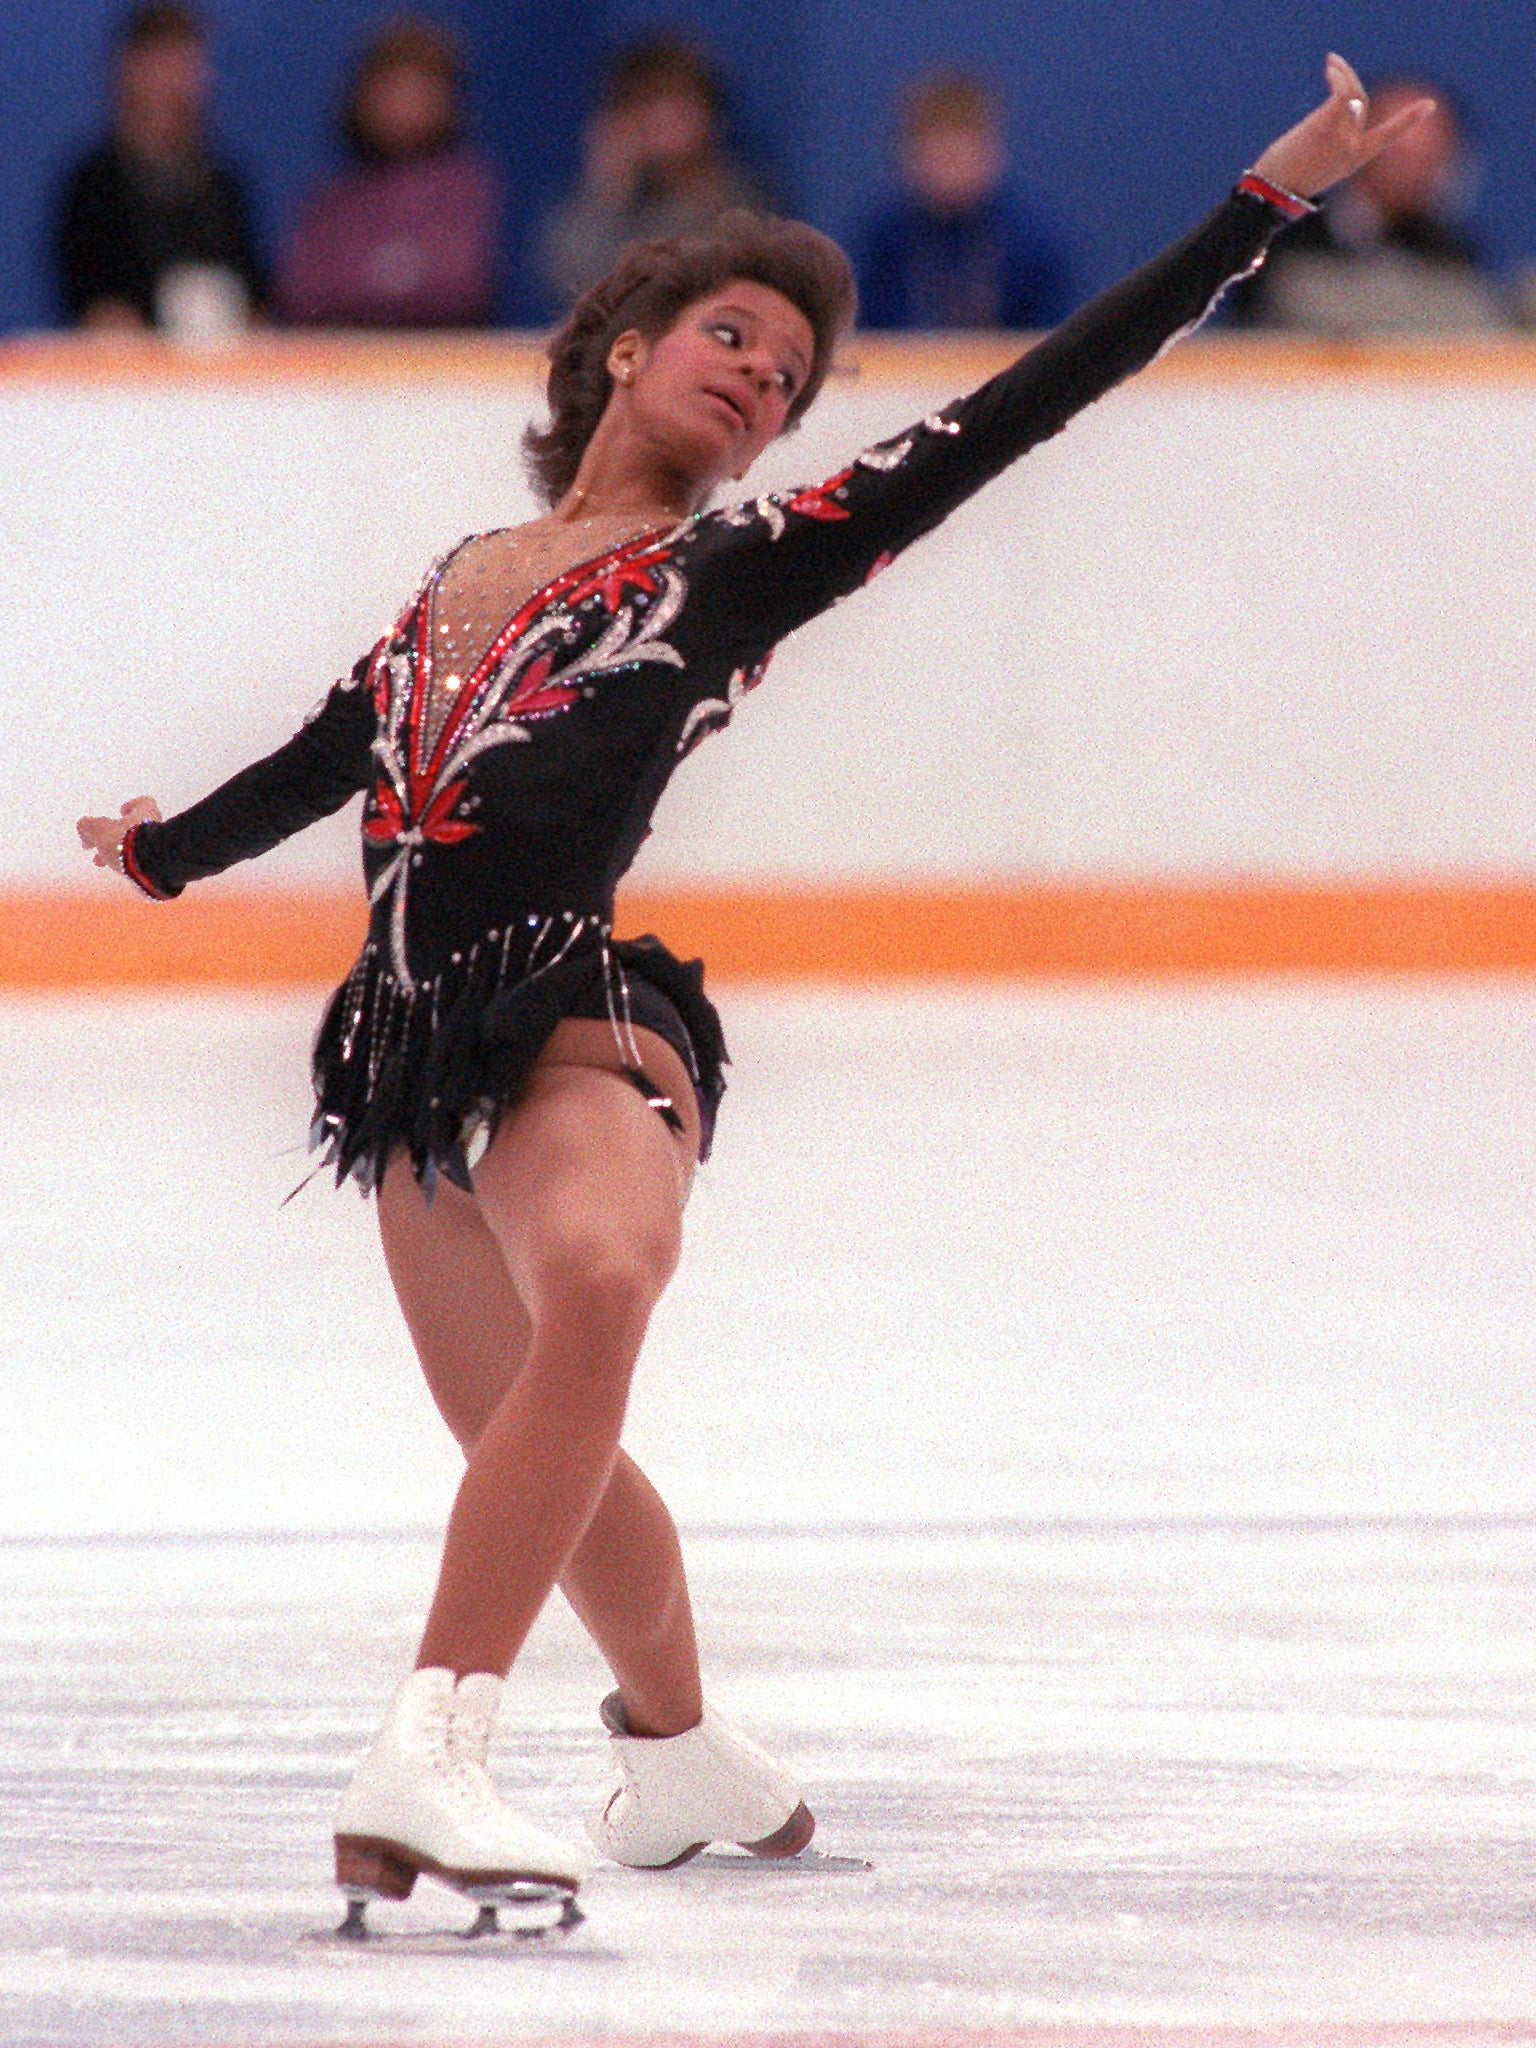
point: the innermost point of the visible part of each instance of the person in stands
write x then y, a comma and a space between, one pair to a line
656, 165
408, 234
153, 228
1391, 253
956, 248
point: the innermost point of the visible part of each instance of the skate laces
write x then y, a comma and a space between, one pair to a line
467, 1748
438, 1742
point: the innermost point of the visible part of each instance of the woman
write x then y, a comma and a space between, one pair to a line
409, 235
529, 1096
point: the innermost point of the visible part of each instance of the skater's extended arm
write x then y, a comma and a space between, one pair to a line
801, 551
328, 760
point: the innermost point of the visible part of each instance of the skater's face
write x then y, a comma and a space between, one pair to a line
709, 394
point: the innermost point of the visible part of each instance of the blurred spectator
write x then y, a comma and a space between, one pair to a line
655, 165
410, 234
153, 229
1390, 253
955, 248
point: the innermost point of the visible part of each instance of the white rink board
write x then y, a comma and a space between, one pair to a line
1235, 628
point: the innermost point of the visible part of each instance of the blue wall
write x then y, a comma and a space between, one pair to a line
1128, 118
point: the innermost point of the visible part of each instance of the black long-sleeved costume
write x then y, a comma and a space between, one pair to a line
492, 848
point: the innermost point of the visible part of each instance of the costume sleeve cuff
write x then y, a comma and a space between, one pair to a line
1290, 204
135, 872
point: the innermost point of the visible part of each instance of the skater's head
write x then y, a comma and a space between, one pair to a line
695, 353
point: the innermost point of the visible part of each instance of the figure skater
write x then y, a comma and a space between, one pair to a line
528, 1095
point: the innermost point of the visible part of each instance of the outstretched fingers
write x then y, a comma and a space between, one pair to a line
1350, 102
1344, 80
103, 837
1336, 138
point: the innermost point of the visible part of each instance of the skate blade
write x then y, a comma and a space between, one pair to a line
507, 1913
767, 1870
538, 1912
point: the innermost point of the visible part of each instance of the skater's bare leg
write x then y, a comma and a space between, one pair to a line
580, 1191
628, 1585
627, 1580
626, 1577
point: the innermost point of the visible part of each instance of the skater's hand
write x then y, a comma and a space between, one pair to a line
104, 836
1336, 138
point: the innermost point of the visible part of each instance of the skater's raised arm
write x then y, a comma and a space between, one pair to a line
327, 761
801, 551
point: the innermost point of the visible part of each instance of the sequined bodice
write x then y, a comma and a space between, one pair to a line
529, 707
490, 578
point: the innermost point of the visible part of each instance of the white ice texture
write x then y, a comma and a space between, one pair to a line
1102, 1428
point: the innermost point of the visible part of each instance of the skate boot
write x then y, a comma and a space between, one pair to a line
678, 1793
423, 1801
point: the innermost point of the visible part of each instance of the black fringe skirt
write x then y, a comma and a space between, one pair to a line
430, 1066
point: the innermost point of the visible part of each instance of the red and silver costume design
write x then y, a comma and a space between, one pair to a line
504, 808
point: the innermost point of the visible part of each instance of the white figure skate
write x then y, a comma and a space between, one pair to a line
678, 1793
423, 1802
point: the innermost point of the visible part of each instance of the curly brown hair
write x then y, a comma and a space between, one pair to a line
649, 286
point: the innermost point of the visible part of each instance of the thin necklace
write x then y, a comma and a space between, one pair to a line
665, 515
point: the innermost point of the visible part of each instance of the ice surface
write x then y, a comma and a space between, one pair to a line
956, 1256
1103, 1429
1115, 1773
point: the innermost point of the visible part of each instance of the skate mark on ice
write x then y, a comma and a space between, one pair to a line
406, 1945
444, 1943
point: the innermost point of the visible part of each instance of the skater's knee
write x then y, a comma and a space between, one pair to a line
600, 1288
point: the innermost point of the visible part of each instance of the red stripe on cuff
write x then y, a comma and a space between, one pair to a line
1289, 203
135, 873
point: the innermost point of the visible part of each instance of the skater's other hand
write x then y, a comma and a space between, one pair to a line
1336, 138
104, 836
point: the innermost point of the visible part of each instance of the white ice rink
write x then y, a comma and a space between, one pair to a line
1103, 1424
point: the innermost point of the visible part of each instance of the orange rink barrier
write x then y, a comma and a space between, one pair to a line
102, 937
83, 361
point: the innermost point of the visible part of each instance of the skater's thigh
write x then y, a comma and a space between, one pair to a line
582, 1042
583, 1172
585, 1181
468, 1325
